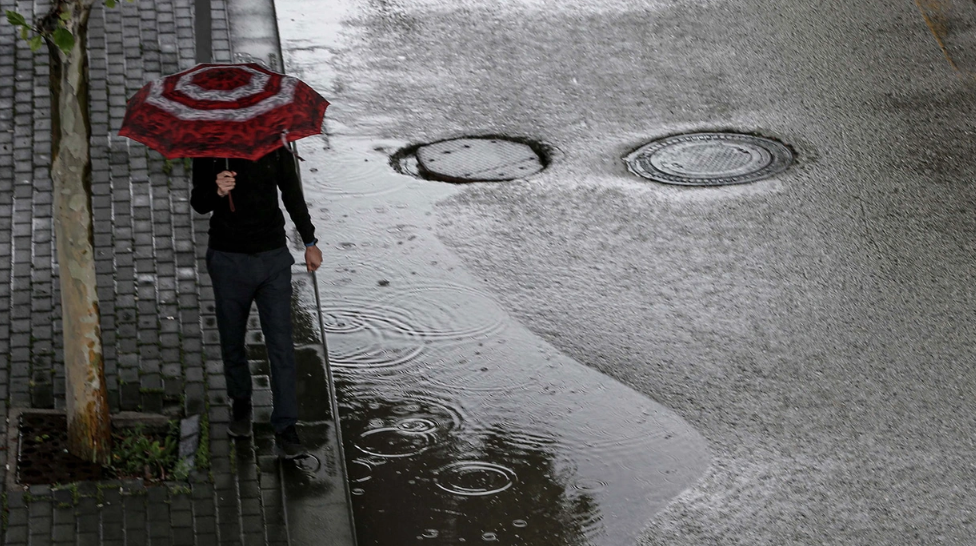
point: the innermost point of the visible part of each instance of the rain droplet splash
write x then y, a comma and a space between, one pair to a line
393, 442
417, 415
475, 478
417, 426
398, 428
590, 485
359, 470
370, 336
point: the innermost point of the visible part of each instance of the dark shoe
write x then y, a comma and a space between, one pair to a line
288, 445
240, 425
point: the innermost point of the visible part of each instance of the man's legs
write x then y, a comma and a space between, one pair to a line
274, 308
233, 294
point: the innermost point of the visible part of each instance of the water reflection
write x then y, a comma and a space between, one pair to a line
469, 486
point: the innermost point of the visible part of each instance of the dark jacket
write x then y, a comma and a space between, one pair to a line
257, 224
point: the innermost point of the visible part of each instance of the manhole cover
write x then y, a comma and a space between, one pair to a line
709, 159
478, 159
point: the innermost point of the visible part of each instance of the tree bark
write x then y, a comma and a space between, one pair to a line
89, 424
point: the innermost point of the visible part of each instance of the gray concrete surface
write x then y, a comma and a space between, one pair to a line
254, 32
816, 328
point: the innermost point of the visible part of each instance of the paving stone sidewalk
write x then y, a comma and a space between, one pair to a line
159, 332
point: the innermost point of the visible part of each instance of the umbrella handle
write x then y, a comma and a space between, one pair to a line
230, 198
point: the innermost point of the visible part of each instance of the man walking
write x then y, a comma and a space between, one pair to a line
248, 261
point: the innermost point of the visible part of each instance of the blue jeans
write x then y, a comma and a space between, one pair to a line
265, 278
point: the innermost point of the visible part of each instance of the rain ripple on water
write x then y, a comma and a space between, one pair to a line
448, 312
396, 330
393, 442
348, 173
366, 335
475, 478
388, 429
469, 483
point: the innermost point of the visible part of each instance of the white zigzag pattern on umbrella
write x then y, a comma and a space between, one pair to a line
187, 113
186, 86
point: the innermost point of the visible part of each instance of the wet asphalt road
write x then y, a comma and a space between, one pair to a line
817, 328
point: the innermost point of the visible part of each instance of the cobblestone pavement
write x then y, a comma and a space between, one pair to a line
160, 340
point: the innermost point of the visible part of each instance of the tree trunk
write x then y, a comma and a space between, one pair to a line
89, 425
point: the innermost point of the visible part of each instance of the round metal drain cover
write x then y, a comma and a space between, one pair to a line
478, 160
709, 159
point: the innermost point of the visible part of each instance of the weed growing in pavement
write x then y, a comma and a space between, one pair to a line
73, 488
181, 472
152, 390
99, 492
137, 453
203, 449
181, 489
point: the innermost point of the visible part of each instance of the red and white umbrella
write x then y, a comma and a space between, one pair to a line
223, 110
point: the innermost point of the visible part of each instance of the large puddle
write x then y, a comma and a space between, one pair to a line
459, 425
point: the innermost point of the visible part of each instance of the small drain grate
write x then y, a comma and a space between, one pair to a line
709, 159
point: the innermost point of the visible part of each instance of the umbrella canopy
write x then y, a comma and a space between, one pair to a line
223, 110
